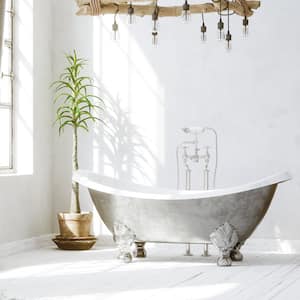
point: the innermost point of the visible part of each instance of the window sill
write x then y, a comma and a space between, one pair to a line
12, 173
7, 171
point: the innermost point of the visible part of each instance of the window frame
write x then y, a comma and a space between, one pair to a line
9, 43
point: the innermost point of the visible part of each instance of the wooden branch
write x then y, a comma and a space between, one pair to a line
240, 7
218, 3
87, 2
244, 4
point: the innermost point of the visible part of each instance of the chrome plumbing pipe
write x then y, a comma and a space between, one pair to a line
196, 157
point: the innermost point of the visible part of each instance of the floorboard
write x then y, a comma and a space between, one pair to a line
50, 273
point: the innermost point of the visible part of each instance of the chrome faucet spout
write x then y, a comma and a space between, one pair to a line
191, 152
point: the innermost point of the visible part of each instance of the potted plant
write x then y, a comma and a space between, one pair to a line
76, 107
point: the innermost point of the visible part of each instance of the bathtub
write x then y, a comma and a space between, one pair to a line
223, 217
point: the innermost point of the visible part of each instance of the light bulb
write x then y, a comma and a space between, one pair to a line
203, 32
220, 33
155, 33
154, 38
131, 17
115, 31
228, 39
155, 25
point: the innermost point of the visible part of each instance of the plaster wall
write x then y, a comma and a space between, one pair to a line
249, 95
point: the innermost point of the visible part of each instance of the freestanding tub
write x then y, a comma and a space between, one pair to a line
225, 217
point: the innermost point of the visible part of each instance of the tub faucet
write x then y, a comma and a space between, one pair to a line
194, 156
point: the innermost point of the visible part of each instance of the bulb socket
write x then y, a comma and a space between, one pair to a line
186, 6
245, 21
130, 10
220, 24
228, 37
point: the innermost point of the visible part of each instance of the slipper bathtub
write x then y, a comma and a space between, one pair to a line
225, 217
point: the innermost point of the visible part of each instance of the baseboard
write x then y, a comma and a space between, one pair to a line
19, 246
45, 241
105, 241
273, 245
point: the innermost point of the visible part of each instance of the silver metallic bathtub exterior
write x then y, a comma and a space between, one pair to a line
187, 220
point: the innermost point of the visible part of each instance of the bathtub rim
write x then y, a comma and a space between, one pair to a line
83, 177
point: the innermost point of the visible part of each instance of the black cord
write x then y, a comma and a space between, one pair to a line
228, 15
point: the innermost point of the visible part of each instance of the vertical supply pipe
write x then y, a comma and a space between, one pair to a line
188, 174
206, 171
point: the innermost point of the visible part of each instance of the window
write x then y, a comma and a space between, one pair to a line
7, 90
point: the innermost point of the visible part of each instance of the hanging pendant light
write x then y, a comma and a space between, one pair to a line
228, 37
186, 12
155, 24
115, 26
221, 29
203, 29
220, 24
224, 9
246, 26
130, 14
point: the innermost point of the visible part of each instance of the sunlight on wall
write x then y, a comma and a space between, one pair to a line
133, 146
24, 87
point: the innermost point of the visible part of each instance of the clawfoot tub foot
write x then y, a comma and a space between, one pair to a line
126, 257
140, 251
124, 238
236, 254
224, 260
225, 238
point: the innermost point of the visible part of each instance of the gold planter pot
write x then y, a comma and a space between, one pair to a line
75, 243
75, 224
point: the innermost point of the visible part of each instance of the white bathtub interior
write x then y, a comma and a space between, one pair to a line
124, 188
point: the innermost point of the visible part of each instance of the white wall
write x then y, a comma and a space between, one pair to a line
25, 197
250, 96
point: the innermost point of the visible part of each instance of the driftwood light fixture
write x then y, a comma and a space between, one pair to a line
223, 8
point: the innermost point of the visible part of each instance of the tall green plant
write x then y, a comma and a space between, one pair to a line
76, 107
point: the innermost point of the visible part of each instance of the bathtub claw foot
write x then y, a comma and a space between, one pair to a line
124, 237
126, 257
224, 259
236, 254
225, 237
140, 251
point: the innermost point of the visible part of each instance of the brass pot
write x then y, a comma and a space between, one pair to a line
75, 224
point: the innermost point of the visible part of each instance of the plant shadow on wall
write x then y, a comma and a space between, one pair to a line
120, 149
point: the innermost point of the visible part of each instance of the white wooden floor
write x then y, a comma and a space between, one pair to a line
54, 274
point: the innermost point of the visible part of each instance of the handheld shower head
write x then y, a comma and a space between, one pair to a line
193, 130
